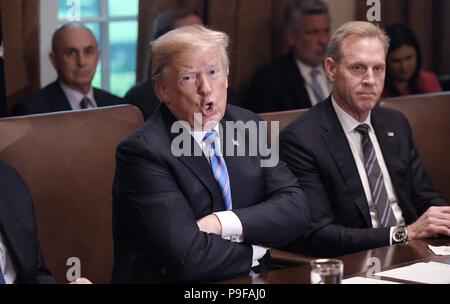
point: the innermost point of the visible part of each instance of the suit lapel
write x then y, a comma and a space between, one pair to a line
337, 142
387, 138
59, 101
12, 238
199, 165
296, 82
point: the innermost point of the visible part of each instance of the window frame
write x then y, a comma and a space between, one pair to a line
50, 22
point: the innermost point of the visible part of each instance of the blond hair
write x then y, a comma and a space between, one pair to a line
359, 29
166, 48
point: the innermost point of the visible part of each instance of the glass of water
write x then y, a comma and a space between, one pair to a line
326, 271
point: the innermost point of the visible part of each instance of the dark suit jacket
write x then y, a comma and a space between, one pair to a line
18, 228
143, 96
317, 150
52, 99
157, 199
278, 87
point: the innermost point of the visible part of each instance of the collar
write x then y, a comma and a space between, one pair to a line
306, 69
348, 123
199, 135
75, 96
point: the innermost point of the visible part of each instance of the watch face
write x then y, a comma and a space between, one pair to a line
400, 234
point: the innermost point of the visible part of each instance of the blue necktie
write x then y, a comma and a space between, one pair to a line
317, 89
2, 278
219, 168
376, 181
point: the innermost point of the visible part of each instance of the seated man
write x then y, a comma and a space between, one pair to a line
298, 79
21, 260
358, 163
74, 56
199, 215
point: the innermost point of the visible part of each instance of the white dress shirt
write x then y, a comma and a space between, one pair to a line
349, 124
74, 97
6, 264
322, 78
232, 229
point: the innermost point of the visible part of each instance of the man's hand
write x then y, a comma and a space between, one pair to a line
210, 224
434, 222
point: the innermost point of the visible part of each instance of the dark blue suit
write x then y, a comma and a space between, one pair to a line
52, 99
18, 228
317, 151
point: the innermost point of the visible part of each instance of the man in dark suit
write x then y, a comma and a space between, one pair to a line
74, 56
182, 209
358, 163
20, 256
297, 80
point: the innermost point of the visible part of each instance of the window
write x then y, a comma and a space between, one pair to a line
115, 25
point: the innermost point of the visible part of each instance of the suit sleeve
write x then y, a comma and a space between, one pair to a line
156, 214
326, 236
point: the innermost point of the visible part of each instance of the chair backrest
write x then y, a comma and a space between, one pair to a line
68, 161
284, 117
429, 116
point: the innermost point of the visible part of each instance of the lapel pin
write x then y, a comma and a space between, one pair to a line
236, 142
390, 134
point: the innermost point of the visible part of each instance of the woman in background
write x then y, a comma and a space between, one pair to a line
404, 61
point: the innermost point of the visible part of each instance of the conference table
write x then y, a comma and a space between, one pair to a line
359, 264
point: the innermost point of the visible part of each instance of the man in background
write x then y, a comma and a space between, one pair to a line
298, 79
74, 56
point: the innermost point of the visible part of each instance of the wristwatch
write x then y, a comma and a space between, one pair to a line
400, 235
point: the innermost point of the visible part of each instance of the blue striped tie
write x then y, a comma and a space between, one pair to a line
219, 168
376, 181
2, 278
317, 89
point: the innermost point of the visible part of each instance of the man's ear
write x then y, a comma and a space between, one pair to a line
330, 68
54, 60
161, 90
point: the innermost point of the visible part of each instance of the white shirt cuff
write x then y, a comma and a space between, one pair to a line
231, 226
390, 234
258, 253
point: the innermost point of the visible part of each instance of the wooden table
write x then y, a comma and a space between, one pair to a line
357, 264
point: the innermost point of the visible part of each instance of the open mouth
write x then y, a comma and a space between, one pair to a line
208, 108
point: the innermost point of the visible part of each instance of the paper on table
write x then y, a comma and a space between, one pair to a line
440, 250
431, 273
363, 280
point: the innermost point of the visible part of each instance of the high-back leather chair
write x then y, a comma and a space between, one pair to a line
284, 118
68, 161
429, 116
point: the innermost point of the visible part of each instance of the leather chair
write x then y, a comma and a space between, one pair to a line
429, 116
284, 118
67, 160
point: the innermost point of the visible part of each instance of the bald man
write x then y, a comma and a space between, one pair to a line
75, 55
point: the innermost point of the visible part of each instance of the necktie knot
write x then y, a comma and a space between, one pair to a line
363, 129
210, 137
85, 103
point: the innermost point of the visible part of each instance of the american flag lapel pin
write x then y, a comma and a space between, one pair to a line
390, 134
235, 142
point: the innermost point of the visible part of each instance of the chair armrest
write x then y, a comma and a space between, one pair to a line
286, 259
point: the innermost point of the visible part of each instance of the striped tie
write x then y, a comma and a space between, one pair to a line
376, 181
219, 168
317, 89
2, 278
85, 103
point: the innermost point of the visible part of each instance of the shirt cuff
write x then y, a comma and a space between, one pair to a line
231, 226
390, 234
258, 253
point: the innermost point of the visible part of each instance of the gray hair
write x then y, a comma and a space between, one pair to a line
69, 25
167, 47
297, 8
360, 29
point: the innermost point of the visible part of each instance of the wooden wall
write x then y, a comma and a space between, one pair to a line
20, 34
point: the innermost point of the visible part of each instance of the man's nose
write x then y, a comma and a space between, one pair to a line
204, 87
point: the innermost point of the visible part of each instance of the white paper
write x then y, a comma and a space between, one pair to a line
440, 250
430, 273
363, 280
